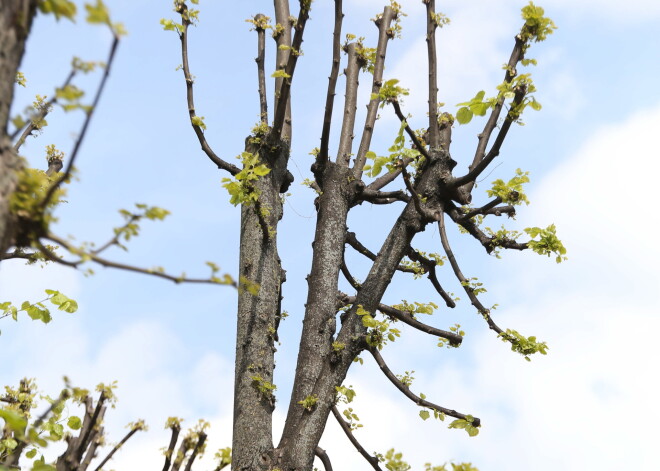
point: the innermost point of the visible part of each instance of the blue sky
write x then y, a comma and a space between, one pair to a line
591, 153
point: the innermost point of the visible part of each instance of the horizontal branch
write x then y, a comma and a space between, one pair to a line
413, 397
91, 256
351, 240
387, 178
383, 197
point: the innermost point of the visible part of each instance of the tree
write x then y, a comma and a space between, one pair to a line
429, 193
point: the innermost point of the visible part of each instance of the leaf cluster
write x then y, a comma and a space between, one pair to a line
524, 345
379, 332
240, 188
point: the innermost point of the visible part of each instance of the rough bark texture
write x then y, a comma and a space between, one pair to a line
258, 314
15, 21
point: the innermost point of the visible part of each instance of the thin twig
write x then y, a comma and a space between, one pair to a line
199, 132
261, 52
118, 446
372, 460
430, 268
413, 137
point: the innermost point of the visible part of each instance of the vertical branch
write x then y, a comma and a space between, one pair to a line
434, 138
282, 120
350, 107
261, 51
384, 34
282, 35
332, 83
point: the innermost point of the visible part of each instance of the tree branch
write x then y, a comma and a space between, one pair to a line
91, 256
429, 266
372, 460
176, 429
261, 52
462, 279
323, 456
43, 112
422, 150
116, 448
413, 397
322, 156
387, 178
74, 153
351, 240
382, 197
196, 125
434, 136
285, 89
383, 23
198, 446
350, 107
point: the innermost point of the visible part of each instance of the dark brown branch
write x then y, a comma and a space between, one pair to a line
352, 240
176, 429
383, 197
430, 268
383, 22
413, 397
481, 160
372, 460
423, 211
422, 150
407, 318
198, 446
323, 456
285, 89
350, 107
322, 157
282, 36
91, 256
489, 208
43, 112
116, 448
199, 132
434, 136
261, 52
348, 276
462, 279
74, 153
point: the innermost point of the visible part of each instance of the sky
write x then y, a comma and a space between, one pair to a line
591, 152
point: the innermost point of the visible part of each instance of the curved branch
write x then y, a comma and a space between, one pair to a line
199, 132
429, 266
372, 460
413, 397
382, 197
351, 240
348, 276
323, 456
387, 178
383, 23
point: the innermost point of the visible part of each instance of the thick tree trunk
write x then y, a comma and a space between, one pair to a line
258, 315
15, 21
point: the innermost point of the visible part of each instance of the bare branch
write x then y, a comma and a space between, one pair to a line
285, 89
198, 446
116, 448
372, 460
261, 51
388, 178
322, 157
383, 23
323, 456
413, 397
348, 276
176, 429
350, 107
434, 136
462, 279
352, 240
383, 197
194, 119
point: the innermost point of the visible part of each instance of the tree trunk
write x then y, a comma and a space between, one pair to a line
15, 21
